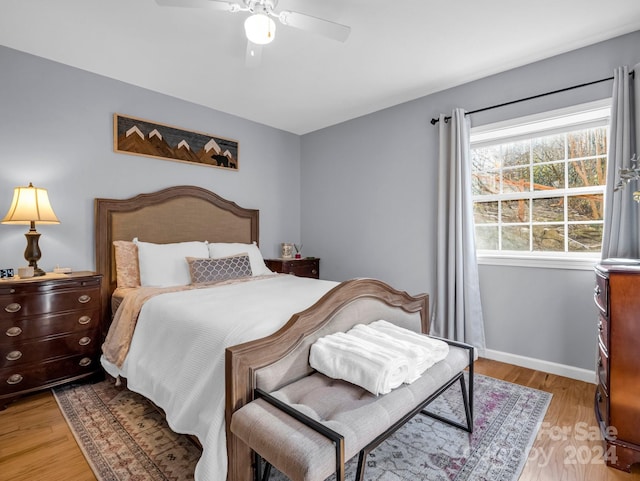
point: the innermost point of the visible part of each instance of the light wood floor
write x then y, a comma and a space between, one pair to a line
36, 444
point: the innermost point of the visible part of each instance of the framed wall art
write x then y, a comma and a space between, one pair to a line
150, 139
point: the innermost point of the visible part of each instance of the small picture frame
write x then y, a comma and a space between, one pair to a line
6, 273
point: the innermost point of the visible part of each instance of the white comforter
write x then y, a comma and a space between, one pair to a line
176, 358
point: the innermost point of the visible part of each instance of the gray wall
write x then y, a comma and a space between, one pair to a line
56, 130
369, 192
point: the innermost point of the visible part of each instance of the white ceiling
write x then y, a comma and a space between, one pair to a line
398, 50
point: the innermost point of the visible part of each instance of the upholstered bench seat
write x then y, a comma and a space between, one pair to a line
360, 417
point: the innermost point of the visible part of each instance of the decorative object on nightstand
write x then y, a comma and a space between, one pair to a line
307, 267
30, 205
286, 250
617, 403
50, 332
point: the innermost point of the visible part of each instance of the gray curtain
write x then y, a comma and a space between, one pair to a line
458, 310
621, 237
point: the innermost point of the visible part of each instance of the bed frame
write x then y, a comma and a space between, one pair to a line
185, 213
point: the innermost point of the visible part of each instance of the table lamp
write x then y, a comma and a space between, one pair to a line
30, 205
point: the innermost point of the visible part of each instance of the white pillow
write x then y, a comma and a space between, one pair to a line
163, 265
226, 249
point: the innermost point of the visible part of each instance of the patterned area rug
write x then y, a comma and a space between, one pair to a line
126, 439
123, 436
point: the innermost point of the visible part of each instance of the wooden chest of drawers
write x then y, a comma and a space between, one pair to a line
300, 267
50, 332
617, 403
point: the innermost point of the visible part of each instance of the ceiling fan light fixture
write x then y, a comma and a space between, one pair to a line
260, 29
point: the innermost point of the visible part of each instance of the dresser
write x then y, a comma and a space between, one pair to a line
617, 403
305, 267
50, 332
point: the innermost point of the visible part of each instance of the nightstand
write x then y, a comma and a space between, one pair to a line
305, 267
50, 332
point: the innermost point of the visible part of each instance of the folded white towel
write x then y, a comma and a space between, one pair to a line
436, 348
419, 358
341, 356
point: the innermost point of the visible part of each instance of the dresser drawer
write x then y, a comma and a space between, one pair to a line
603, 332
43, 349
19, 305
602, 368
38, 376
601, 294
602, 408
19, 330
304, 269
300, 267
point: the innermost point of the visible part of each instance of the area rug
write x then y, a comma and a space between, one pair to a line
124, 438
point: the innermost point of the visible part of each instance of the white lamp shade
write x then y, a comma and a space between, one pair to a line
30, 204
260, 29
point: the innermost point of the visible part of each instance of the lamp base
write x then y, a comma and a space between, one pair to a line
32, 252
38, 272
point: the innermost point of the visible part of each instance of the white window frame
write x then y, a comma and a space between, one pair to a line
588, 115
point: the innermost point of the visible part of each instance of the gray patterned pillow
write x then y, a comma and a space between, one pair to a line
211, 270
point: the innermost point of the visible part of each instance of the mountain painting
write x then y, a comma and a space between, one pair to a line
150, 139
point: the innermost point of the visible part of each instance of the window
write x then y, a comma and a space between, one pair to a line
538, 184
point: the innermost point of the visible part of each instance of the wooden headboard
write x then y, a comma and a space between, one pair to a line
175, 214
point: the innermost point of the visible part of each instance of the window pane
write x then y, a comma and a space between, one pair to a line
486, 158
547, 149
548, 238
548, 210
485, 183
587, 143
516, 180
583, 173
515, 211
585, 237
515, 237
516, 153
548, 176
585, 207
485, 212
487, 237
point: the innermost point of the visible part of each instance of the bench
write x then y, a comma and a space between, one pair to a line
308, 428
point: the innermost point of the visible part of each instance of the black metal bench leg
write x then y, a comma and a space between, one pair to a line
267, 472
257, 475
362, 459
467, 407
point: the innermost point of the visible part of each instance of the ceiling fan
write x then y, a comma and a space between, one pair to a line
259, 26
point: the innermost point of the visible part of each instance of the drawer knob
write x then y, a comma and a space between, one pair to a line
13, 331
596, 290
84, 341
84, 320
84, 298
84, 362
600, 326
14, 356
14, 379
13, 307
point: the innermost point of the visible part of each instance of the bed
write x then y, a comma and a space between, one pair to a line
289, 311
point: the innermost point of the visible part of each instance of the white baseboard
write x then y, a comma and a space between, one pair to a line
541, 365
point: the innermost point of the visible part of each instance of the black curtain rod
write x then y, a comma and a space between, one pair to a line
434, 121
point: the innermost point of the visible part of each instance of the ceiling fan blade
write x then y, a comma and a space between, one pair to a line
253, 56
317, 25
211, 4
